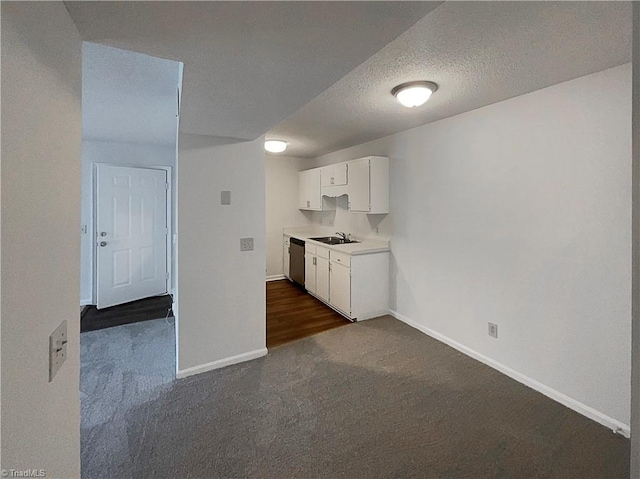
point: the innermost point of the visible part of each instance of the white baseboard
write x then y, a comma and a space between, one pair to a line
221, 363
374, 314
276, 277
607, 421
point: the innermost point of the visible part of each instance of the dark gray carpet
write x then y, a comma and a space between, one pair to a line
375, 399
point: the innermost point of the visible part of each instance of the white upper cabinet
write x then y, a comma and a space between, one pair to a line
315, 195
369, 185
340, 174
359, 199
335, 175
326, 172
310, 190
303, 185
365, 181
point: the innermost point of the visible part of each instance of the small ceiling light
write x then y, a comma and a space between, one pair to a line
414, 93
275, 146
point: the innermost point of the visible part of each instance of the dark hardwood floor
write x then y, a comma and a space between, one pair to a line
293, 314
141, 310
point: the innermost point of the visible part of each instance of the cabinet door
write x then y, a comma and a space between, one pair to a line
340, 171
285, 257
326, 173
322, 278
315, 194
359, 185
310, 272
303, 180
340, 287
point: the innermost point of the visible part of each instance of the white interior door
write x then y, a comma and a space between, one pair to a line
131, 220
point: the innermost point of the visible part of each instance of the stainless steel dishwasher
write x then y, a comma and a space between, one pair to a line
296, 261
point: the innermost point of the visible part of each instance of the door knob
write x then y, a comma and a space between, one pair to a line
103, 243
103, 233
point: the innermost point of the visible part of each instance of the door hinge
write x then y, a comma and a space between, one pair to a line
166, 231
166, 275
166, 186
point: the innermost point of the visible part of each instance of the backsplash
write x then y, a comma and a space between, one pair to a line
357, 224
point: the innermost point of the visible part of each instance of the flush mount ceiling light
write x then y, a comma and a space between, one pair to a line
414, 93
275, 146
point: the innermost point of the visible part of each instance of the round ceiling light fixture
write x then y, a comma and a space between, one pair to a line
275, 146
414, 93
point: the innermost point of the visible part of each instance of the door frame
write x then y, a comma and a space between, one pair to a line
94, 223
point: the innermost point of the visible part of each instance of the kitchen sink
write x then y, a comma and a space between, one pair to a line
333, 240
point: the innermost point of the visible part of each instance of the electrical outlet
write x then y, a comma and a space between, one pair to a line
57, 349
225, 197
493, 330
246, 244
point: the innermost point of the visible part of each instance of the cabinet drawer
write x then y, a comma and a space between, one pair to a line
310, 248
322, 252
341, 258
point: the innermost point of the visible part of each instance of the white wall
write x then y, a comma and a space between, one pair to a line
41, 134
221, 303
282, 194
122, 154
519, 213
635, 367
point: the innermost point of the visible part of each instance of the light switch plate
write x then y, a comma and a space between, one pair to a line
225, 198
246, 244
57, 349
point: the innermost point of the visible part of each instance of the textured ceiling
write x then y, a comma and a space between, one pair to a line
248, 65
127, 96
477, 52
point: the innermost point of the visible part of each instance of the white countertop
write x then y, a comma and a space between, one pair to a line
365, 245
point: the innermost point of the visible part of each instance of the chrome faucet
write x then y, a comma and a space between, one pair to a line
344, 235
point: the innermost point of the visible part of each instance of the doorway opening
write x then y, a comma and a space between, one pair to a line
130, 118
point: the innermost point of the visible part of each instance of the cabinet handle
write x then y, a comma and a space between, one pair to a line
331, 180
308, 203
314, 260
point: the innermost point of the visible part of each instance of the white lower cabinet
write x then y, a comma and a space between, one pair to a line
340, 287
285, 256
355, 285
310, 271
322, 278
